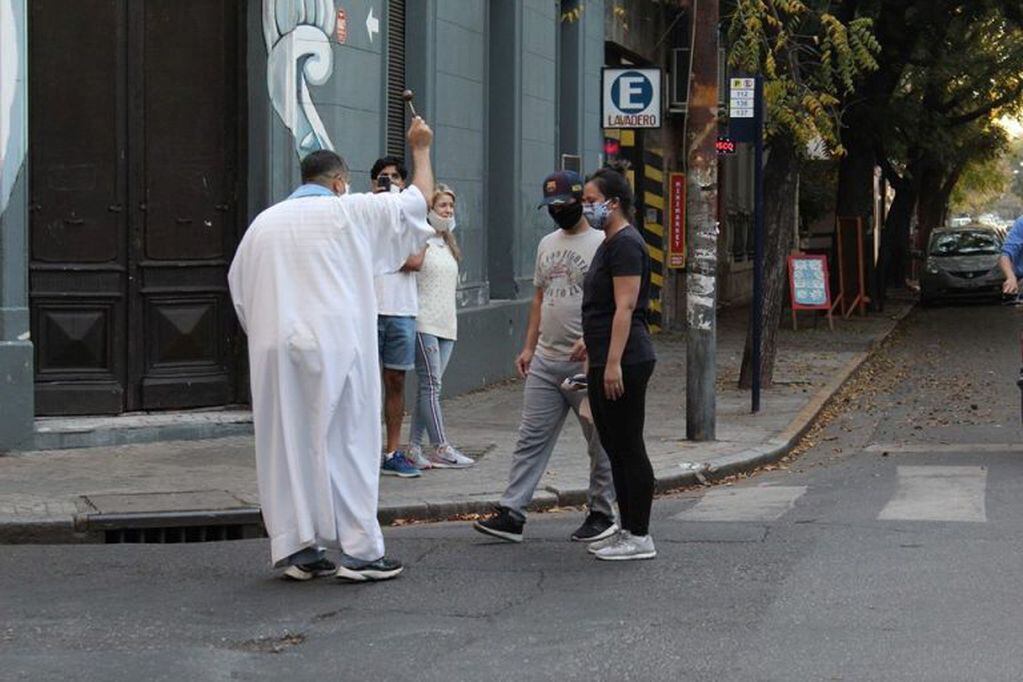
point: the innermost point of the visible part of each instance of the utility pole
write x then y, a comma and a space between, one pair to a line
702, 225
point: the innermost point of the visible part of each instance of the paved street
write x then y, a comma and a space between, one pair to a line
889, 549
41, 492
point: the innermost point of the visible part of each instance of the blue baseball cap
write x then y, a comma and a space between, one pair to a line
560, 187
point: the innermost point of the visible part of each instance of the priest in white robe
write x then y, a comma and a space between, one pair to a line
302, 285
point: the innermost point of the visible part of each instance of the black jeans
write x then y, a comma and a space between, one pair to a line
620, 425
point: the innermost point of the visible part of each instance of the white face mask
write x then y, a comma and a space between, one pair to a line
441, 224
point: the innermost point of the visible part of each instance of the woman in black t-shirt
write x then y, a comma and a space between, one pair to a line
616, 294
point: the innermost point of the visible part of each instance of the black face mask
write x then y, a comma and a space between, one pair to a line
567, 216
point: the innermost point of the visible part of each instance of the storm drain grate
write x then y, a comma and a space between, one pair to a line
178, 534
169, 517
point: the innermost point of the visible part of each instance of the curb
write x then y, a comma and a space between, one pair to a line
716, 469
89, 528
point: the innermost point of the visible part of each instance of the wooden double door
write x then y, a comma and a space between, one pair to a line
136, 120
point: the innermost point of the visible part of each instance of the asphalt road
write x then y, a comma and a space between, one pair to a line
888, 550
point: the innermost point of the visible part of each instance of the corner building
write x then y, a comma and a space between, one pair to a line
139, 138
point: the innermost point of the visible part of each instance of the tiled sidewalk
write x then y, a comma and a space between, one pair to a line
42, 492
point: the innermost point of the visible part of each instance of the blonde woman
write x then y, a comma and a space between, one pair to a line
436, 331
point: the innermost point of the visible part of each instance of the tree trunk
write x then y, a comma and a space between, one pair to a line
935, 193
782, 173
932, 200
855, 195
893, 252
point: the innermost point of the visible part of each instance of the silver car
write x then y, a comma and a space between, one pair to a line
962, 262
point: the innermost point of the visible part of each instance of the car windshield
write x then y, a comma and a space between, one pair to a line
965, 244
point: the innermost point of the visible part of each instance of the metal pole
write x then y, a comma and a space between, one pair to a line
758, 237
702, 225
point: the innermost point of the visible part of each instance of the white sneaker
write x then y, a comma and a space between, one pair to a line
628, 547
447, 457
416, 458
595, 547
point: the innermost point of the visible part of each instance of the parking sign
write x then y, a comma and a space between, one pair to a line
631, 98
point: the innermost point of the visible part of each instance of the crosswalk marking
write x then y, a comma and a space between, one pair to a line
932, 448
938, 493
759, 503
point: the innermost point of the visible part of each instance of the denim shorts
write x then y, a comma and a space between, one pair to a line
396, 341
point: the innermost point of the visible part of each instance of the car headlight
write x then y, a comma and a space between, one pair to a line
932, 267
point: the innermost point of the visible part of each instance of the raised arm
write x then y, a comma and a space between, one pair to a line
419, 138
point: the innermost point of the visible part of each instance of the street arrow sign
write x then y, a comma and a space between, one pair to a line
372, 25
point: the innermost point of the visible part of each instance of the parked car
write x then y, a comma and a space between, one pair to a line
962, 262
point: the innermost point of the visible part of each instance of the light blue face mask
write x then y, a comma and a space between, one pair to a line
596, 214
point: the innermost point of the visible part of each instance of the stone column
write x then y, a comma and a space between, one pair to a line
17, 407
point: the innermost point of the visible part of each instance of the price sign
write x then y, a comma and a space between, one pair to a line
808, 282
725, 146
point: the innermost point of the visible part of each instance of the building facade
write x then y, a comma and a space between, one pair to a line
135, 154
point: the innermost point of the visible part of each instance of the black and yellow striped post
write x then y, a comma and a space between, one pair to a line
651, 191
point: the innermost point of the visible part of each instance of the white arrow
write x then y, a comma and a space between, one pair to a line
372, 25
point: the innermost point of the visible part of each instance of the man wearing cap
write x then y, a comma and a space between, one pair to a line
553, 385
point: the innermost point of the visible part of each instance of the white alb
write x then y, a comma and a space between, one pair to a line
302, 285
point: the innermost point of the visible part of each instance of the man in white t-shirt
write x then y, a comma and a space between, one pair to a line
554, 384
397, 306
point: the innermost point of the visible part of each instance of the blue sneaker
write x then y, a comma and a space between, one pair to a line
396, 464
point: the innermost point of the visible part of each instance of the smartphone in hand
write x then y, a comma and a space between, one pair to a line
576, 382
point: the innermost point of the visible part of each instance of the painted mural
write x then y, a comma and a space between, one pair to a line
12, 109
297, 34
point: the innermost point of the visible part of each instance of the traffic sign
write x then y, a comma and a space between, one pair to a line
631, 98
741, 97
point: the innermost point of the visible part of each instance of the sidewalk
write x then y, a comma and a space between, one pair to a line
72, 495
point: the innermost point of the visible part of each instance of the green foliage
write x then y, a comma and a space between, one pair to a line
809, 59
994, 183
940, 126
980, 184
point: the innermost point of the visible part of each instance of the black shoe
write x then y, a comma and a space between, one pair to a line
597, 526
317, 569
355, 571
501, 524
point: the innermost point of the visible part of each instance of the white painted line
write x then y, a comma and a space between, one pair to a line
760, 503
938, 493
911, 448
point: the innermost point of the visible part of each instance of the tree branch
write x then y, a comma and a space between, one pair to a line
1006, 98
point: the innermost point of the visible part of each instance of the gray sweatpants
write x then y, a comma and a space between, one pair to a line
545, 404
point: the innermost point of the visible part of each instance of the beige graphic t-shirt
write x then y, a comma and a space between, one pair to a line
562, 260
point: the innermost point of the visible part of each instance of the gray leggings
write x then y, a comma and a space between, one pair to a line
545, 405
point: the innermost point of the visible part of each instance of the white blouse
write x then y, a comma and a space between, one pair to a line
438, 282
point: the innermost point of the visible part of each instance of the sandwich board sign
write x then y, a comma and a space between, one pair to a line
631, 98
809, 284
